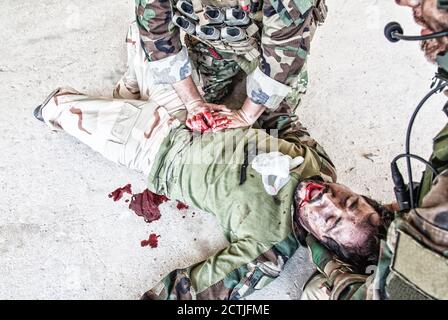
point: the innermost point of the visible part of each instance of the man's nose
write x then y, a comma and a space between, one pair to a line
334, 200
409, 3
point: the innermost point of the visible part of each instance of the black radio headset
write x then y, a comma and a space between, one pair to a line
405, 194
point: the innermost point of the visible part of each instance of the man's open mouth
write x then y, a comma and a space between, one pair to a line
312, 192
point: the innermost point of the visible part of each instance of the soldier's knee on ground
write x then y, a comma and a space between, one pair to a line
127, 89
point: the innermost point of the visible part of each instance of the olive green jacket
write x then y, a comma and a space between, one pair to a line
206, 172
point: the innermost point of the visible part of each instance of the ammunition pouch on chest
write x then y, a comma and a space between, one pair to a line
419, 268
247, 43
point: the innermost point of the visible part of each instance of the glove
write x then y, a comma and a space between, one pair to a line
274, 168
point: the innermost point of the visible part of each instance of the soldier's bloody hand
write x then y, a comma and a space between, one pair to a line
207, 122
204, 117
236, 119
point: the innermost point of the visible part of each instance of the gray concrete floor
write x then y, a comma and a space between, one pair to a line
60, 235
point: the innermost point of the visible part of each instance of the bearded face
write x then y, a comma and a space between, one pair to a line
431, 19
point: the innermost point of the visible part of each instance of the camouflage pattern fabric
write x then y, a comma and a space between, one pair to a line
238, 283
427, 225
130, 128
424, 273
201, 170
431, 219
285, 50
287, 29
216, 71
439, 159
138, 81
127, 132
159, 36
284, 119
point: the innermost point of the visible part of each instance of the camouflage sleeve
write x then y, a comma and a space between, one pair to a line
160, 39
229, 275
285, 44
335, 280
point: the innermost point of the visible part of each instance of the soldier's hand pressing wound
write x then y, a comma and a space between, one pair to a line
245, 116
237, 119
203, 117
199, 123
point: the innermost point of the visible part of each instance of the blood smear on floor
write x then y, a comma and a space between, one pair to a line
181, 205
152, 242
118, 194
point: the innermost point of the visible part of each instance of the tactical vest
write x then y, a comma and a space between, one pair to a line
419, 242
249, 48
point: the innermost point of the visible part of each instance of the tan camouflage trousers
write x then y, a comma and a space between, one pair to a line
127, 132
129, 128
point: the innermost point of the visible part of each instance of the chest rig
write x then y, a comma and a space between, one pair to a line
222, 24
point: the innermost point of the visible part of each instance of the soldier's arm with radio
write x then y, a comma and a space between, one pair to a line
170, 62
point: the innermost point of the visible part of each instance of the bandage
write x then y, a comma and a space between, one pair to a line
274, 168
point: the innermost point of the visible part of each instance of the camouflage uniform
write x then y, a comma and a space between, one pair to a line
128, 129
277, 76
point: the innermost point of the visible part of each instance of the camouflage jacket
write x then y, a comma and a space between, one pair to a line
284, 40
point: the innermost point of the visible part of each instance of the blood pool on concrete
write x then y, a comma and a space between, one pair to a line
146, 205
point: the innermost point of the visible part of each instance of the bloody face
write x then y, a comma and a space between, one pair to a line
332, 211
431, 19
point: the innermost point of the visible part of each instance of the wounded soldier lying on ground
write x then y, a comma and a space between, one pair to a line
205, 171
212, 172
